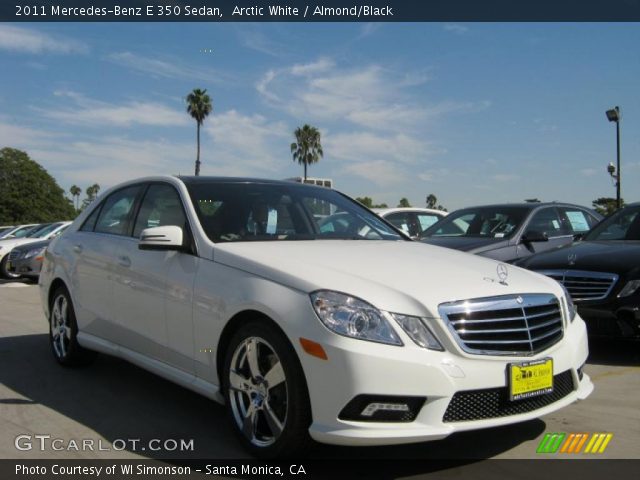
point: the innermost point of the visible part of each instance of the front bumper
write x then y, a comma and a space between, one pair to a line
364, 368
616, 317
27, 267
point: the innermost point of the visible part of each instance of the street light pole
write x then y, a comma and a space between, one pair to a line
613, 115
618, 197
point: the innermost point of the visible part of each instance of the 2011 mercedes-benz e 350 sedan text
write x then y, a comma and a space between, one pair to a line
346, 333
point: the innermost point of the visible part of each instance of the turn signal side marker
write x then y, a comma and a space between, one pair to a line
313, 348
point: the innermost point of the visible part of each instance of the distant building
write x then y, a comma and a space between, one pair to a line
323, 182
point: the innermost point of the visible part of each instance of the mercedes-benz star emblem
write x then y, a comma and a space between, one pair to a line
503, 273
572, 257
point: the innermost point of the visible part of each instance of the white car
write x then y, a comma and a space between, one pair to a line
230, 288
412, 221
44, 232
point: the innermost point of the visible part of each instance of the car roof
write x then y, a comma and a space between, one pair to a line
408, 209
193, 180
528, 205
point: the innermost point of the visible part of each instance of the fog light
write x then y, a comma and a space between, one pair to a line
389, 407
379, 408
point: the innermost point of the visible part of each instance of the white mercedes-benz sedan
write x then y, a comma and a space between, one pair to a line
345, 332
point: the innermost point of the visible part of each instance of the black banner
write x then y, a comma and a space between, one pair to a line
316, 469
320, 11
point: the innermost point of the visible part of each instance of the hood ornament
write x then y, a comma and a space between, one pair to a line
503, 273
572, 258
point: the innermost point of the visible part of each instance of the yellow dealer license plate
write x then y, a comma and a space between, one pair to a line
529, 379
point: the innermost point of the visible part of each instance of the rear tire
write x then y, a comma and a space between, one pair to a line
63, 331
266, 392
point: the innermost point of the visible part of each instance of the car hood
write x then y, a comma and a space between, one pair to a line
398, 276
33, 244
619, 257
9, 243
466, 244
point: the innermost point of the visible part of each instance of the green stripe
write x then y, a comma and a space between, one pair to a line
551, 443
556, 446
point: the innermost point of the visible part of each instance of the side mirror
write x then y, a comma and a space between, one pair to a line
169, 237
535, 236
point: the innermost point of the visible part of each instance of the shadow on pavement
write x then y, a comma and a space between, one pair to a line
120, 401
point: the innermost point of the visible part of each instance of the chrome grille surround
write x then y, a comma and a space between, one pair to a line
583, 285
505, 325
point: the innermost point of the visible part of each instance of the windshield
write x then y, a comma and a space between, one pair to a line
481, 222
240, 212
44, 230
622, 225
26, 231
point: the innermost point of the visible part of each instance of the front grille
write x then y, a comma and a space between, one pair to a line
583, 286
494, 402
505, 325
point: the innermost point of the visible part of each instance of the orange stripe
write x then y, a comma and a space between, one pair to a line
574, 443
566, 443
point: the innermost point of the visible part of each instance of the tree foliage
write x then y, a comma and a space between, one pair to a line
432, 202
606, 205
28, 193
75, 192
307, 148
404, 203
91, 192
368, 202
199, 106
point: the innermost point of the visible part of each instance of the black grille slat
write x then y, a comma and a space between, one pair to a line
494, 402
505, 325
583, 285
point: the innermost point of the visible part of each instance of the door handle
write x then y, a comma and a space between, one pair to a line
77, 248
124, 261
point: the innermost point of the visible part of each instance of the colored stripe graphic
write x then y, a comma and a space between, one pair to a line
551, 442
573, 443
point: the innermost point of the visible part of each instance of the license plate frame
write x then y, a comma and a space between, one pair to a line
530, 379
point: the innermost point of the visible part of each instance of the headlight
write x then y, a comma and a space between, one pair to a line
629, 288
571, 308
34, 252
352, 317
418, 331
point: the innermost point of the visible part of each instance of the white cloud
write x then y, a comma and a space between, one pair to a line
456, 28
379, 172
89, 112
257, 40
505, 177
247, 144
167, 68
366, 146
369, 29
24, 40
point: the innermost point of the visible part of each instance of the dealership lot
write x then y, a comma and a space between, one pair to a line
112, 405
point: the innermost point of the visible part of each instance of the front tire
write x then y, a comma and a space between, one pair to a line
266, 392
63, 331
4, 270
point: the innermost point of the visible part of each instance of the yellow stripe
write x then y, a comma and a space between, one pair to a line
590, 444
567, 442
598, 442
606, 442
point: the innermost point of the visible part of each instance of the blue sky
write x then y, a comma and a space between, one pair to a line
474, 113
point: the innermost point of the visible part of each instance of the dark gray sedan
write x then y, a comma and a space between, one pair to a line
509, 232
26, 260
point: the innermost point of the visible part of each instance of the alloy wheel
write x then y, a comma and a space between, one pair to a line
60, 326
258, 391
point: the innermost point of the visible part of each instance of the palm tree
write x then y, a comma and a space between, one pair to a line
75, 192
92, 193
199, 106
307, 148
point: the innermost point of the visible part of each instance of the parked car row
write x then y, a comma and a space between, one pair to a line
18, 255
